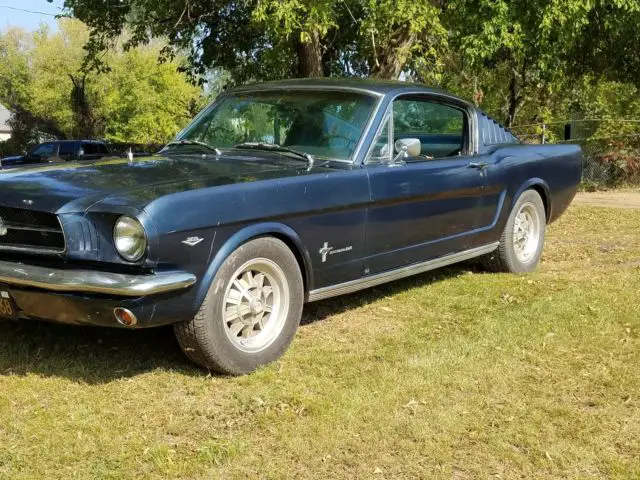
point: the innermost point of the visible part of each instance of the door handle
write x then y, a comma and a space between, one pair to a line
479, 165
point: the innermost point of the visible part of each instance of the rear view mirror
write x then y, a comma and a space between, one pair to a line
407, 147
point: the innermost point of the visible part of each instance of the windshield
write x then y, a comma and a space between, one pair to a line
321, 123
45, 150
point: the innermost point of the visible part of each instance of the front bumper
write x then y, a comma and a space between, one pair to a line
93, 282
87, 297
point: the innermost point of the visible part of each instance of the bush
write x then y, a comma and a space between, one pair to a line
621, 163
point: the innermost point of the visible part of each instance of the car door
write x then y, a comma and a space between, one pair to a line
66, 151
43, 153
426, 205
89, 151
103, 151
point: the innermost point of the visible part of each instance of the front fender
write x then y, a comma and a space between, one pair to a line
244, 235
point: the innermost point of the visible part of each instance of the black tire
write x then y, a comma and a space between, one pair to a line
208, 340
505, 259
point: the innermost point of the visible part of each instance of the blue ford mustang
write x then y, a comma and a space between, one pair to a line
275, 195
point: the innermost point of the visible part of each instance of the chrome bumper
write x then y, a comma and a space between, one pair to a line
89, 281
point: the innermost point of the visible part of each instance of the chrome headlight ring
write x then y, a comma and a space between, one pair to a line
130, 238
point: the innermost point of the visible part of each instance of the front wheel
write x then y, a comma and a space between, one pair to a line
523, 237
251, 312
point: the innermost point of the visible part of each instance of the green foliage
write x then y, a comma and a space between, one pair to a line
136, 100
519, 59
265, 39
522, 55
143, 101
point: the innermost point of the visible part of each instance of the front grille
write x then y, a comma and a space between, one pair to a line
28, 230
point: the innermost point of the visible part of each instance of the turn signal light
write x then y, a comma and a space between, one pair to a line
125, 317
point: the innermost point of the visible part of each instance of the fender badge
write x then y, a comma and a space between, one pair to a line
192, 241
327, 250
324, 251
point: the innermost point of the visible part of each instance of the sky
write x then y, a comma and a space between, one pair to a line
12, 13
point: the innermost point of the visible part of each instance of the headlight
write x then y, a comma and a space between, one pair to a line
130, 238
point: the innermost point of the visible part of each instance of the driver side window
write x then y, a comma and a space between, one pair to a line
45, 150
440, 128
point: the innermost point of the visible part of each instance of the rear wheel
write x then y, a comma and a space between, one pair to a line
251, 312
522, 240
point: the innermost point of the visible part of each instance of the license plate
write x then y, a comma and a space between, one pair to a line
7, 306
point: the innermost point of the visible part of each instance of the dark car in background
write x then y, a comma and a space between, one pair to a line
277, 194
58, 151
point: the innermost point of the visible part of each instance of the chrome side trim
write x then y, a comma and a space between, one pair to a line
90, 281
384, 277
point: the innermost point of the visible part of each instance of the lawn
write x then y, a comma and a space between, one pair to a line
452, 374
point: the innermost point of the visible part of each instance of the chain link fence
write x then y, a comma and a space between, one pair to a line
611, 148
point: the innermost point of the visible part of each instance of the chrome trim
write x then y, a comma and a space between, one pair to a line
128, 312
384, 277
14, 226
258, 87
31, 250
34, 250
439, 97
91, 281
365, 132
388, 115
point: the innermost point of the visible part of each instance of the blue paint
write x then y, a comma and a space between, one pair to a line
376, 216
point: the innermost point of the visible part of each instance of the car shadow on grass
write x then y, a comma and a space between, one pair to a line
318, 311
97, 355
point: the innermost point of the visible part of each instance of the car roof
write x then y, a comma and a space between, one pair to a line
366, 85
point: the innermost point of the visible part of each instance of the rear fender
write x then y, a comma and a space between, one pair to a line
536, 183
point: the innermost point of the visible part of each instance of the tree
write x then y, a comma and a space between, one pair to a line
16, 76
537, 46
43, 84
264, 39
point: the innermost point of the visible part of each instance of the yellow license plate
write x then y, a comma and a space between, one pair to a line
7, 306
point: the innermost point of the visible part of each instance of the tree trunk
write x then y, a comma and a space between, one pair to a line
390, 59
512, 106
517, 85
86, 124
309, 56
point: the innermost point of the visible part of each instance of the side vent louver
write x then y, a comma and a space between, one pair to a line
493, 133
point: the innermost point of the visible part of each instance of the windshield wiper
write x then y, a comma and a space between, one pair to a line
195, 142
277, 148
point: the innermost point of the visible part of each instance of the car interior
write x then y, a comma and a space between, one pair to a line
442, 130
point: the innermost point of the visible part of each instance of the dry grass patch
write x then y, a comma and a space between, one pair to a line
454, 373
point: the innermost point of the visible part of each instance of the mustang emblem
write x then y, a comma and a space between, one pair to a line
192, 241
327, 250
324, 251
3, 228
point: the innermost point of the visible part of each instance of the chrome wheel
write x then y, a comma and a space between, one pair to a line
526, 232
256, 304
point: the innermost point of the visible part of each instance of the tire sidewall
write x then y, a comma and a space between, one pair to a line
514, 264
224, 352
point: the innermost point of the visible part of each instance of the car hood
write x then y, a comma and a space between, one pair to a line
13, 159
73, 187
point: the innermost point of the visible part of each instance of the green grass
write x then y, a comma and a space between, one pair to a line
452, 374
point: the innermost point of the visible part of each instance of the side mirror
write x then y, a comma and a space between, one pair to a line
407, 147
81, 152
